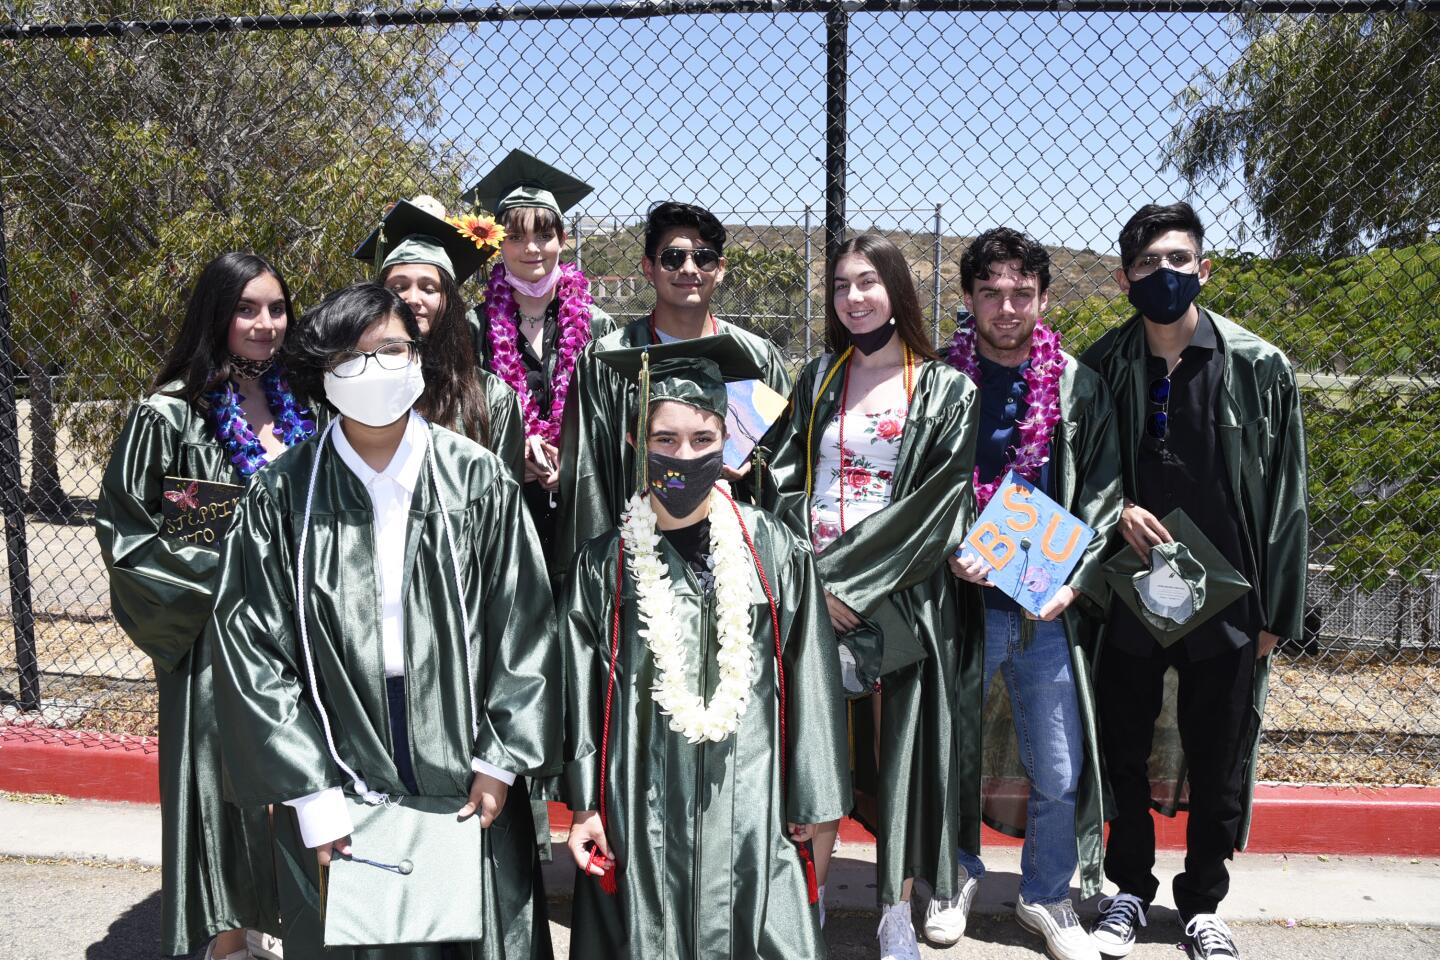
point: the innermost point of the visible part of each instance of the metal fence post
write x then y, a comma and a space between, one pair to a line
579, 243
809, 307
935, 291
12, 501
837, 54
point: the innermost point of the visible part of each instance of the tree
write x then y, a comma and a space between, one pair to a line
127, 163
1332, 123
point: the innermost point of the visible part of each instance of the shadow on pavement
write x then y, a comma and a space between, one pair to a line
133, 935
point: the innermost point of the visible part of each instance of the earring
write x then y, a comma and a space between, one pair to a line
892, 321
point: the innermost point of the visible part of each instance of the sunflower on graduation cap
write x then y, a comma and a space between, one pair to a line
483, 231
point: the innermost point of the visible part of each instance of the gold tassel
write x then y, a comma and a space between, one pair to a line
642, 424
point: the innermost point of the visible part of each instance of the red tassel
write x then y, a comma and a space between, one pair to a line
610, 880
812, 882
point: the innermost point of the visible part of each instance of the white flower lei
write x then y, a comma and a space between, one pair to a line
662, 632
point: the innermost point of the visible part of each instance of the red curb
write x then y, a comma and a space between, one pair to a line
1373, 821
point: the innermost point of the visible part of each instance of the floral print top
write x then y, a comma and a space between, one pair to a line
872, 448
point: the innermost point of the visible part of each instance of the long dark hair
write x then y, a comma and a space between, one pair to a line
899, 283
452, 386
335, 324
200, 355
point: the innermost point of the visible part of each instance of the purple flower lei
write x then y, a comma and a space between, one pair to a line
1042, 398
573, 292
293, 423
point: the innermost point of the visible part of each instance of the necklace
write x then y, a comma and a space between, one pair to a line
1042, 399
293, 423
571, 336
908, 378
661, 629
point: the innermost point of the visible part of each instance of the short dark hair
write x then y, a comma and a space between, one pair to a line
337, 323
671, 215
200, 355
1153, 219
526, 220
894, 270
1001, 245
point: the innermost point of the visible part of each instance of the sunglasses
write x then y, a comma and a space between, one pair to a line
1157, 424
673, 258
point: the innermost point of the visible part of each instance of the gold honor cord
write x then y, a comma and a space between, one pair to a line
810, 430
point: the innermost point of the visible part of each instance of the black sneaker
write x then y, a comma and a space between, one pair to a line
1114, 932
1210, 939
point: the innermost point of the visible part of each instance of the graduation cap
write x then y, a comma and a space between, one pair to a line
693, 372
1180, 585
414, 232
521, 180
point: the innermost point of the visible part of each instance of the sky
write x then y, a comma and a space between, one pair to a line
1053, 123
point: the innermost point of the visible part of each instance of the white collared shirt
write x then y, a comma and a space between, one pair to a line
391, 492
323, 815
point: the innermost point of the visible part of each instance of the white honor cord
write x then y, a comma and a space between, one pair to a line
371, 796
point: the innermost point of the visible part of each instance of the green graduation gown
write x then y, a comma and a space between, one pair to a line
894, 562
597, 459
1262, 444
706, 867
507, 426
273, 742
217, 872
1085, 464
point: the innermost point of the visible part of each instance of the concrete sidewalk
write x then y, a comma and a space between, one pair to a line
1264, 887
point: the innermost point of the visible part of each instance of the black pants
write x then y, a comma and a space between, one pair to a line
1217, 723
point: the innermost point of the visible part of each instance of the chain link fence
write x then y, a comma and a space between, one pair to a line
139, 139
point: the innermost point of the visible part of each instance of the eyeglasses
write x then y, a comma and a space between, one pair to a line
1157, 423
394, 355
1150, 262
673, 258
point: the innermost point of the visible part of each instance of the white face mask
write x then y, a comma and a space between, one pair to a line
377, 397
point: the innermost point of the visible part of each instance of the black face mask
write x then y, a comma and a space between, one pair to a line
682, 485
1165, 295
868, 343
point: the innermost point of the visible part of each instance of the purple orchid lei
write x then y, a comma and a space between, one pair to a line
293, 423
573, 292
1042, 399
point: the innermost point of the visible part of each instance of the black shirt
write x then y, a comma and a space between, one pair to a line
1186, 470
693, 545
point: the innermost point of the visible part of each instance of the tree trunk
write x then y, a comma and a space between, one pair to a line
47, 496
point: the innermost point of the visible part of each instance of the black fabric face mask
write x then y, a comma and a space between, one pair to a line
1165, 295
247, 369
682, 485
868, 343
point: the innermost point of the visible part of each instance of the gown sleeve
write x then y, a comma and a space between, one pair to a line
1099, 498
818, 764
160, 590
1283, 545
507, 426
590, 460
520, 723
273, 743
584, 617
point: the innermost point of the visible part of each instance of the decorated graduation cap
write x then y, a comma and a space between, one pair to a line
692, 372
521, 180
1179, 585
417, 231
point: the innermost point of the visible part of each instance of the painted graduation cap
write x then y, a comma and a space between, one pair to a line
410, 233
693, 372
521, 180
1179, 585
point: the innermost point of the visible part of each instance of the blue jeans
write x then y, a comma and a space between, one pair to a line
1050, 739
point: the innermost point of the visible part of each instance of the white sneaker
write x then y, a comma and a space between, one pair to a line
210, 954
1065, 938
1115, 931
1210, 939
945, 919
262, 946
897, 934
